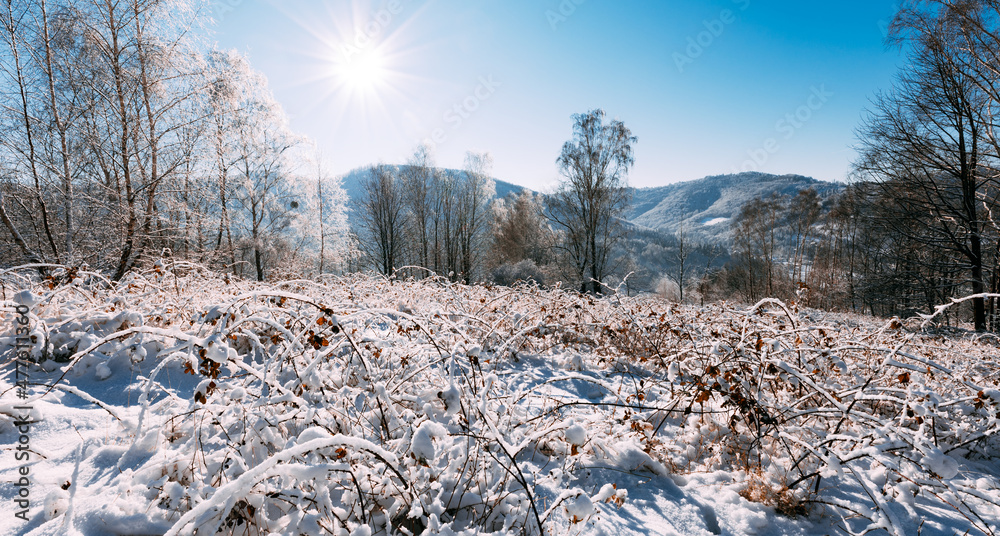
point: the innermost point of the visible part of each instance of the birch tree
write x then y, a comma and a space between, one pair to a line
593, 197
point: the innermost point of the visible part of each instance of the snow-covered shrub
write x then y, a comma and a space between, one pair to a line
668, 289
794, 403
372, 406
527, 271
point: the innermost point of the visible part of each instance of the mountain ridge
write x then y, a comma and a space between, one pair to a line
702, 208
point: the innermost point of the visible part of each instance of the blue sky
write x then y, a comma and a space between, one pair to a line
708, 87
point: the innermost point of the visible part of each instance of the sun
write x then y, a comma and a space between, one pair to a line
363, 71
360, 60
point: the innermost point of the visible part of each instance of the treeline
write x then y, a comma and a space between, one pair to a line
930, 151
920, 225
126, 138
854, 252
781, 245
425, 221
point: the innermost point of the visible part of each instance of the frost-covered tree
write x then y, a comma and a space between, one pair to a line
143, 75
330, 225
382, 219
591, 200
265, 192
261, 188
46, 72
926, 146
120, 123
521, 230
473, 216
99, 125
320, 223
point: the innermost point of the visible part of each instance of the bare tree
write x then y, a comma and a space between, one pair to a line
755, 246
139, 54
322, 209
681, 266
589, 204
803, 212
711, 252
840, 255
102, 94
476, 194
21, 114
18, 239
382, 219
418, 179
925, 146
63, 100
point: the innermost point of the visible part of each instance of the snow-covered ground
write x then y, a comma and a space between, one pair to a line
192, 404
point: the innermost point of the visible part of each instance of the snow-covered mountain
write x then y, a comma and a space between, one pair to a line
705, 207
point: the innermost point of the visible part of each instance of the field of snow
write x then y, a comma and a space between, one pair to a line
181, 402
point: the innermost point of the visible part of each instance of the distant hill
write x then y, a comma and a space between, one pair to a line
705, 207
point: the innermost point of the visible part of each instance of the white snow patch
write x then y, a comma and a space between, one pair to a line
422, 444
579, 507
943, 465
576, 435
314, 432
25, 298
102, 372
452, 399
56, 504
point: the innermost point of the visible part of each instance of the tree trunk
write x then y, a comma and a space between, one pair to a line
26, 117
61, 128
32, 256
